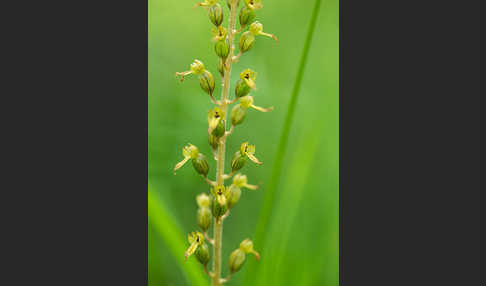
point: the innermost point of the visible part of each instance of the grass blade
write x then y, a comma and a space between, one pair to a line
266, 211
165, 226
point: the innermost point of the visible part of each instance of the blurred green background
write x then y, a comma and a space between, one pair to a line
302, 240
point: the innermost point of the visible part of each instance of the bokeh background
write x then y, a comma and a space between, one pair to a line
302, 239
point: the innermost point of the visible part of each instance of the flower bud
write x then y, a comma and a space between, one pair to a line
216, 14
241, 89
236, 260
202, 254
206, 81
203, 200
246, 41
238, 114
222, 48
247, 15
238, 161
204, 218
219, 130
200, 164
234, 195
217, 209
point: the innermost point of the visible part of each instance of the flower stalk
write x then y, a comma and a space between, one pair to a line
217, 204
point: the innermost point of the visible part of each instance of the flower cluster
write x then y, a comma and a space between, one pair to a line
214, 206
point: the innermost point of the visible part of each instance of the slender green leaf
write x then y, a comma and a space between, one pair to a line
269, 198
295, 186
165, 225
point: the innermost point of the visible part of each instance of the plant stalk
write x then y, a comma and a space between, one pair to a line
218, 223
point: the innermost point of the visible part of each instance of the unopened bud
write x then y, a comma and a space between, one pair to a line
201, 165
236, 260
241, 88
246, 41
238, 161
238, 114
217, 209
202, 253
204, 218
247, 15
222, 48
219, 130
216, 14
203, 200
206, 81
234, 195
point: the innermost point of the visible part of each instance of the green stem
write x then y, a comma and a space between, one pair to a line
269, 198
218, 223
